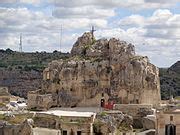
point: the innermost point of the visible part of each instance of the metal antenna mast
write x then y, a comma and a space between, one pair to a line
61, 30
20, 43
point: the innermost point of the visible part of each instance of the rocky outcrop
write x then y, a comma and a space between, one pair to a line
148, 123
26, 128
111, 122
20, 82
101, 69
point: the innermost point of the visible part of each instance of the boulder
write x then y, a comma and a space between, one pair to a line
26, 128
111, 122
148, 123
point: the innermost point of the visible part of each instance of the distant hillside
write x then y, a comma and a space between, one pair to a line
170, 81
28, 61
22, 72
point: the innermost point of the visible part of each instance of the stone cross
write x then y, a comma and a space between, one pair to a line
92, 31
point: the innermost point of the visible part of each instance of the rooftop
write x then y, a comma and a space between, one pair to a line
69, 113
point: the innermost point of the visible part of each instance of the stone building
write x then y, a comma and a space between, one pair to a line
68, 123
24, 128
167, 117
97, 72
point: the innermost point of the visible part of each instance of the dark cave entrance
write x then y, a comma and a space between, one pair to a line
102, 102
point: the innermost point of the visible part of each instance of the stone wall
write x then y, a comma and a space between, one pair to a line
73, 128
40, 101
46, 121
20, 129
10, 130
133, 109
45, 131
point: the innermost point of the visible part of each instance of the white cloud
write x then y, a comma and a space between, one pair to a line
157, 36
30, 1
37, 42
83, 12
101, 9
7, 1
8, 40
162, 24
161, 1
20, 1
132, 4
24, 20
133, 20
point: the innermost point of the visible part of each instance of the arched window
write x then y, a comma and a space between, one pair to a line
170, 129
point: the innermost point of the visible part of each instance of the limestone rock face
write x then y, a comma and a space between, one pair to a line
148, 123
102, 69
111, 122
26, 128
81, 44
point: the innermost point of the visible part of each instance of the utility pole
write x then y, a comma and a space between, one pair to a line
61, 31
20, 43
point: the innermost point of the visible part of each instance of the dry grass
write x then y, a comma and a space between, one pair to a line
18, 119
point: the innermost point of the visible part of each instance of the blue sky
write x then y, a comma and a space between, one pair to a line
153, 26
